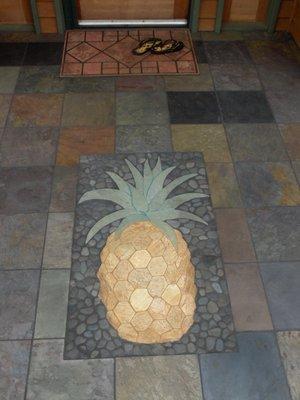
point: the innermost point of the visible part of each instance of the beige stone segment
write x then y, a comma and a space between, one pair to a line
124, 251
122, 270
126, 331
140, 299
111, 261
159, 308
187, 304
124, 312
148, 336
157, 285
140, 278
161, 326
111, 300
172, 295
157, 266
140, 259
112, 319
141, 321
156, 249
123, 290
175, 317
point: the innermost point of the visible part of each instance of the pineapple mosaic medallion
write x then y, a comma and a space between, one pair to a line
147, 280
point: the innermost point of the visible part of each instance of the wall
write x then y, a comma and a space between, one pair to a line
207, 15
16, 12
285, 14
46, 13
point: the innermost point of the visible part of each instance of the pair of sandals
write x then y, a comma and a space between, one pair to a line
157, 46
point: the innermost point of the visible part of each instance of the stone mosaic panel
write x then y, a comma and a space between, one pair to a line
88, 333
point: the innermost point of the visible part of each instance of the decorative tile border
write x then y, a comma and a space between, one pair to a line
88, 334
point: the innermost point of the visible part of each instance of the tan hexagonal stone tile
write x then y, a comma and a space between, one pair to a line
141, 242
109, 300
104, 253
109, 279
148, 336
140, 259
170, 254
161, 326
141, 321
111, 261
172, 295
175, 317
156, 248
124, 312
157, 266
157, 285
123, 290
112, 319
187, 304
159, 308
124, 251
181, 283
172, 273
139, 277
171, 336
187, 323
140, 299
122, 270
126, 331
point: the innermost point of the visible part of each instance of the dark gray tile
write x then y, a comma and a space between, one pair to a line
139, 83
43, 53
143, 138
63, 189
192, 83
22, 147
139, 108
270, 52
40, 79
12, 54
284, 77
276, 233
267, 184
70, 380
90, 84
8, 79
193, 108
18, 296
285, 105
281, 281
24, 189
200, 51
255, 372
14, 359
235, 77
255, 142
222, 52
22, 240
245, 107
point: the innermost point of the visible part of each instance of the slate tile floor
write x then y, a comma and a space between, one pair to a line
248, 129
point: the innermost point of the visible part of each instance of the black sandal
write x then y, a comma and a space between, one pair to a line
169, 46
146, 45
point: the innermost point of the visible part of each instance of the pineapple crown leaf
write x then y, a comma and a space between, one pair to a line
146, 200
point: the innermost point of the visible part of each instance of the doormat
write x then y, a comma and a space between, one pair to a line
109, 53
134, 299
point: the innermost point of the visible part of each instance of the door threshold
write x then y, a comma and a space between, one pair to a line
132, 23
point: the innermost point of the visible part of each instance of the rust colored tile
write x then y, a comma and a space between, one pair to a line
76, 36
234, 235
168, 67
139, 83
248, 299
72, 69
94, 36
36, 110
75, 142
92, 69
186, 67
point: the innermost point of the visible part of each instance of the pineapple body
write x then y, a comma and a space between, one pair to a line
147, 285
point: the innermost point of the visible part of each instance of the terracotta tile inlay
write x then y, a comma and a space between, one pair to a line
109, 52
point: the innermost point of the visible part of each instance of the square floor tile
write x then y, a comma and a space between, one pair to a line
270, 52
44, 79
235, 77
28, 146
281, 281
77, 379
139, 108
275, 233
268, 184
57, 253
289, 346
245, 107
255, 142
44, 53
53, 295
193, 83
140, 83
170, 377
25, 189
18, 296
255, 372
22, 240
291, 138
5, 100
223, 185
8, 78
143, 138
247, 297
12, 53
285, 106
200, 51
14, 359
36, 110
234, 236
63, 189
234, 52
88, 109
193, 108
208, 139
283, 77
74, 142
92, 84
222, 36
296, 168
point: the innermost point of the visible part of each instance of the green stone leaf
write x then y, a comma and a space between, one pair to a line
139, 201
166, 229
158, 183
113, 195
176, 201
137, 176
131, 219
165, 214
124, 186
